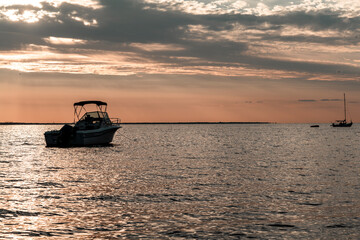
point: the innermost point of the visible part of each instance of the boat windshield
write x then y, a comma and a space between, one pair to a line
95, 116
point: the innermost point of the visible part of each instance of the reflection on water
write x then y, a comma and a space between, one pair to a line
183, 181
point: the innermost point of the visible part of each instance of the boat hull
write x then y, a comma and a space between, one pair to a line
51, 138
100, 136
342, 125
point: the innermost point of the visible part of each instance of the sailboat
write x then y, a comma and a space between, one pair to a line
343, 123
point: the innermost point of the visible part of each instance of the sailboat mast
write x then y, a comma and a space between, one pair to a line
344, 107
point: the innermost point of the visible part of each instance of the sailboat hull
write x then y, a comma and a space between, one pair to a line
342, 124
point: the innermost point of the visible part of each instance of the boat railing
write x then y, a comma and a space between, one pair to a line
115, 121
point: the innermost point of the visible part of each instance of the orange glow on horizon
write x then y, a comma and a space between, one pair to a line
55, 104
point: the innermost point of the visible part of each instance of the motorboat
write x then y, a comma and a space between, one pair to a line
89, 128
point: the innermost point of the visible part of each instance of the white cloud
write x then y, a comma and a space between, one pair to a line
198, 7
150, 47
348, 8
28, 16
38, 3
64, 41
91, 23
32, 16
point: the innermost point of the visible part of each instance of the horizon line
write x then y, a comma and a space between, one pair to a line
47, 123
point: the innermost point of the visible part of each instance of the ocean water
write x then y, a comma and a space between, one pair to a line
203, 181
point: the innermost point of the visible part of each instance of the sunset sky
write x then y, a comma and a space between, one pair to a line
180, 60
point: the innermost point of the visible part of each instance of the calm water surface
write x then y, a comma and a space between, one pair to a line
183, 181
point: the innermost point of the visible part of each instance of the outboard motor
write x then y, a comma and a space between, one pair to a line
65, 135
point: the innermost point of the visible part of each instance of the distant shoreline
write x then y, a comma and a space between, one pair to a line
132, 123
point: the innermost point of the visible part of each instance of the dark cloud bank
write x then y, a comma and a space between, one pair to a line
122, 22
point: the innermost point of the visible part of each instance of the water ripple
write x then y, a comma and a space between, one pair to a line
183, 182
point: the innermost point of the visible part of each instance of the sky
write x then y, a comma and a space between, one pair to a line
181, 60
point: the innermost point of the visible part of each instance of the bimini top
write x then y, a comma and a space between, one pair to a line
82, 103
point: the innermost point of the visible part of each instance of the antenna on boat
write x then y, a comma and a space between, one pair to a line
344, 107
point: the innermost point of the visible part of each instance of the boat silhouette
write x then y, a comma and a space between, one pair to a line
342, 123
92, 128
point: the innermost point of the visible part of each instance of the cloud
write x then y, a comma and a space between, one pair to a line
38, 3
321, 100
331, 100
307, 100
64, 41
231, 36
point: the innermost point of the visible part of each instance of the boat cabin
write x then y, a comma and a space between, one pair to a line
91, 119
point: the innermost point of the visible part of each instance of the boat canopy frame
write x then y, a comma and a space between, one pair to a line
82, 103
79, 107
